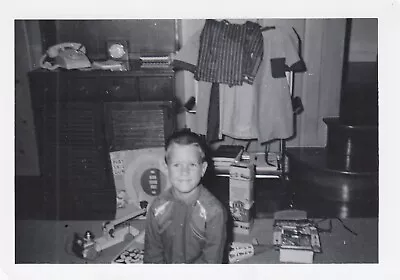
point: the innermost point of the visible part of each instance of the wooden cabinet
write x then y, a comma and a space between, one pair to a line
80, 117
136, 125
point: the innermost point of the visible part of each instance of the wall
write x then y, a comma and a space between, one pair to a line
363, 50
359, 104
324, 42
185, 85
27, 53
321, 45
364, 39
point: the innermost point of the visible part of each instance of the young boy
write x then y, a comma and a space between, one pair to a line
186, 223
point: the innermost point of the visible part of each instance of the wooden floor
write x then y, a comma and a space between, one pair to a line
28, 198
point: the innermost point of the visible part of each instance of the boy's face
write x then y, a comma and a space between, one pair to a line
185, 168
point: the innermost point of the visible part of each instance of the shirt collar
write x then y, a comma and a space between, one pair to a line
191, 200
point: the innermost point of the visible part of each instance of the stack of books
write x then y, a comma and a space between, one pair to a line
110, 64
155, 61
265, 164
225, 155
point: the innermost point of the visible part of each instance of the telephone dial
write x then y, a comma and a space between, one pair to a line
65, 55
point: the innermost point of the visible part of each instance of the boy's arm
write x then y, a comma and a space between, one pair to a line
153, 248
216, 238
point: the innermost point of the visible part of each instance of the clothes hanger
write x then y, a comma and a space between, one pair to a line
266, 28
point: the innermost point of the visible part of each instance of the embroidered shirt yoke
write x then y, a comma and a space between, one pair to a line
179, 232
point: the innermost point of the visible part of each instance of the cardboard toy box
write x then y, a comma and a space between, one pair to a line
241, 196
243, 227
297, 239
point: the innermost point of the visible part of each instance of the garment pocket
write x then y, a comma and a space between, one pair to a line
199, 234
164, 226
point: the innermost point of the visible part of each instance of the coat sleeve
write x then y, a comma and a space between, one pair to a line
153, 247
215, 238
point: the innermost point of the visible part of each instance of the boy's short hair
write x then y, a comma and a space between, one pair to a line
186, 137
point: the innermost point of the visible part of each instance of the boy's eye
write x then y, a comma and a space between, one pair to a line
191, 165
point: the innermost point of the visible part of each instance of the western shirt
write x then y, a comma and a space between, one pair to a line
185, 231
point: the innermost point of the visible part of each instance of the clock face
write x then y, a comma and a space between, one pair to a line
116, 51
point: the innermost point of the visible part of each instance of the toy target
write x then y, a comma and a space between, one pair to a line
139, 175
145, 178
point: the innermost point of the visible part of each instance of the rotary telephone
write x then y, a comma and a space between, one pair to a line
65, 55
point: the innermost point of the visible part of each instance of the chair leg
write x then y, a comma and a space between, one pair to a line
282, 155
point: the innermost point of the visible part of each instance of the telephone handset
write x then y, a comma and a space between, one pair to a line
65, 55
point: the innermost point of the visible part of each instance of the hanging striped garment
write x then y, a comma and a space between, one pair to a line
229, 53
253, 51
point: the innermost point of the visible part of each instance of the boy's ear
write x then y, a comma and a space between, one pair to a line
204, 168
164, 164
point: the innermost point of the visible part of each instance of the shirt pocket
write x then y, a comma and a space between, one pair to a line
163, 226
197, 233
